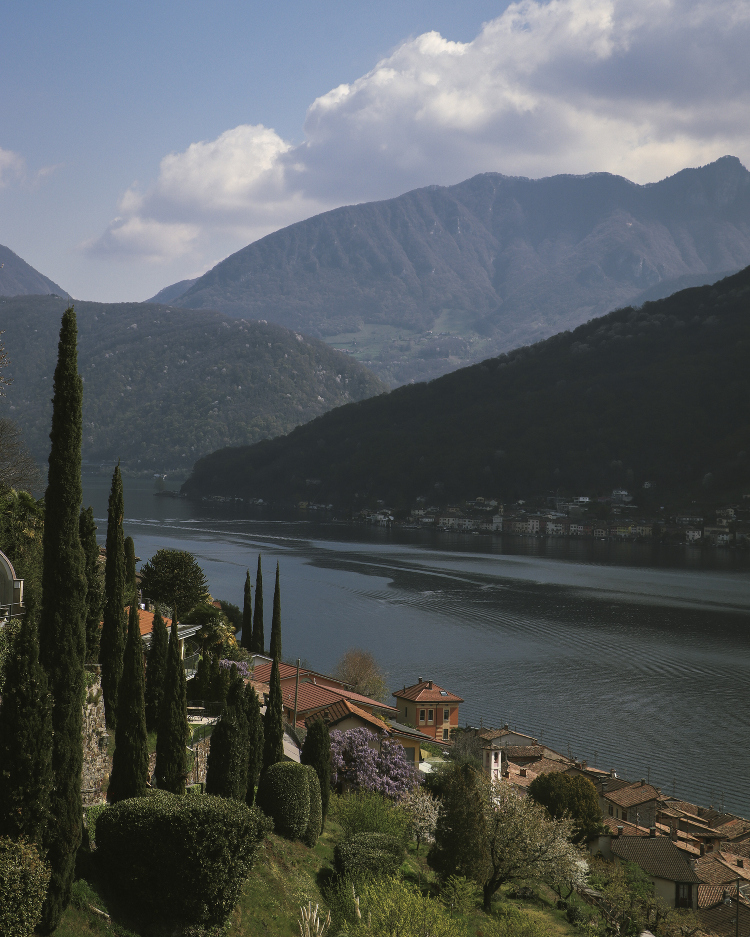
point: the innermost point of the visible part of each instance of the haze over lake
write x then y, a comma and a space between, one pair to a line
634, 657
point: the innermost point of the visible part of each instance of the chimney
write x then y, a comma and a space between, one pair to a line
420, 680
703, 849
612, 772
429, 685
604, 787
652, 832
643, 782
740, 863
523, 775
619, 830
584, 764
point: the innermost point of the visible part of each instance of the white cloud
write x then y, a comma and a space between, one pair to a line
12, 167
641, 88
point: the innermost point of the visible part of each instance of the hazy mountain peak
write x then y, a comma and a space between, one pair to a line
17, 278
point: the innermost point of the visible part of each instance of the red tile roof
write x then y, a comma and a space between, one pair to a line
308, 678
657, 855
632, 795
427, 692
628, 829
343, 709
146, 621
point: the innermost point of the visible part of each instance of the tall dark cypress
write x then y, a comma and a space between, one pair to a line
259, 641
254, 742
173, 732
226, 771
131, 587
87, 533
273, 721
130, 761
62, 636
25, 741
155, 671
316, 751
275, 647
112, 645
247, 615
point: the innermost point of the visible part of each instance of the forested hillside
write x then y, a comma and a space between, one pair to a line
163, 386
659, 394
422, 284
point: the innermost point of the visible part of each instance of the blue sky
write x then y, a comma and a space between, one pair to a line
141, 143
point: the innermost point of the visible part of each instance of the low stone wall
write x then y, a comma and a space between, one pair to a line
200, 760
96, 764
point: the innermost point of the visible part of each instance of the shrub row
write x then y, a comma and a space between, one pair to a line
368, 854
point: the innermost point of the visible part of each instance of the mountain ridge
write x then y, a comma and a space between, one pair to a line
18, 278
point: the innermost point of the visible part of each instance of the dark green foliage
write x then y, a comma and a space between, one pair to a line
247, 614
169, 417
155, 671
254, 741
226, 772
112, 645
175, 578
370, 812
62, 636
233, 614
368, 855
25, 740
316, 752
173, 732
24, 877
565, 795
130, 761
639, 394
275, 646
94, 585
183, 859
315, 818
199, 688
258, 636
220, 684
214, 679
460, 842
284, 795
273, 721
21, 526
131, 588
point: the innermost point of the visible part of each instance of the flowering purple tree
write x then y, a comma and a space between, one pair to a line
242, 667
355, 763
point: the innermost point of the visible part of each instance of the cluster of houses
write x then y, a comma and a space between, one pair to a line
577, 518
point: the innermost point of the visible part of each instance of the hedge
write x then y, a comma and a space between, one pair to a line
315, 821
368, 854
24, 877
180, 858
284, 794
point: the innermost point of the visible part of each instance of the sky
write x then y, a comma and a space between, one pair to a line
143, 142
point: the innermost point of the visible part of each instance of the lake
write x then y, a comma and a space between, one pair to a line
634, 657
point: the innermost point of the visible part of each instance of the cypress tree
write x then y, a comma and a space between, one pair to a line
173, 733
273, 721
221, 683
236, 699
316, 752
113, 632
275, 649
259, 641
62, 636
247, 615
25, 741
214, 678
226, 771
87, 533
202, 679
130, 763
254, 742
131, 586
155, 671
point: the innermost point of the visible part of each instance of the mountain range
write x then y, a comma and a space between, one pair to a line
655, 399
419, 285
17, 278
164, 386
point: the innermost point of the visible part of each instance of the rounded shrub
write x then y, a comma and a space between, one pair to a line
368, 854
284, 794
24, 877
180, 858
315, 820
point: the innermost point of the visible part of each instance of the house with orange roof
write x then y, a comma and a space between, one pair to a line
430, 708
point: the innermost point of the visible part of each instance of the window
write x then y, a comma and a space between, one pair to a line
624, 815
684, 895
430, 716
611, 811
421, 716
446, 715
445, 735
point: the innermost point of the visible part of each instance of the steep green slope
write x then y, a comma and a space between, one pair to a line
419, 285
164, 386
659, 394
17, 278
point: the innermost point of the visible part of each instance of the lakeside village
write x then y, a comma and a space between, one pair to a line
696, 857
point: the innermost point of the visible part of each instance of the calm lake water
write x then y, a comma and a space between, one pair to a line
633, 657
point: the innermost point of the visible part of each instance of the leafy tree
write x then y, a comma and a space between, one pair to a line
216, 634
487, 832
273, 721
357, 763
567, 796
316, 751
259, 641
247, 614
156, 668
423, 810
25, 739
112, 645
255, 741
233, 614
466, 747
175, 578
21, 531
87, 533
24, 878
173, 732
275, 647
360, 670
62, 636
130, 762
131, 586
